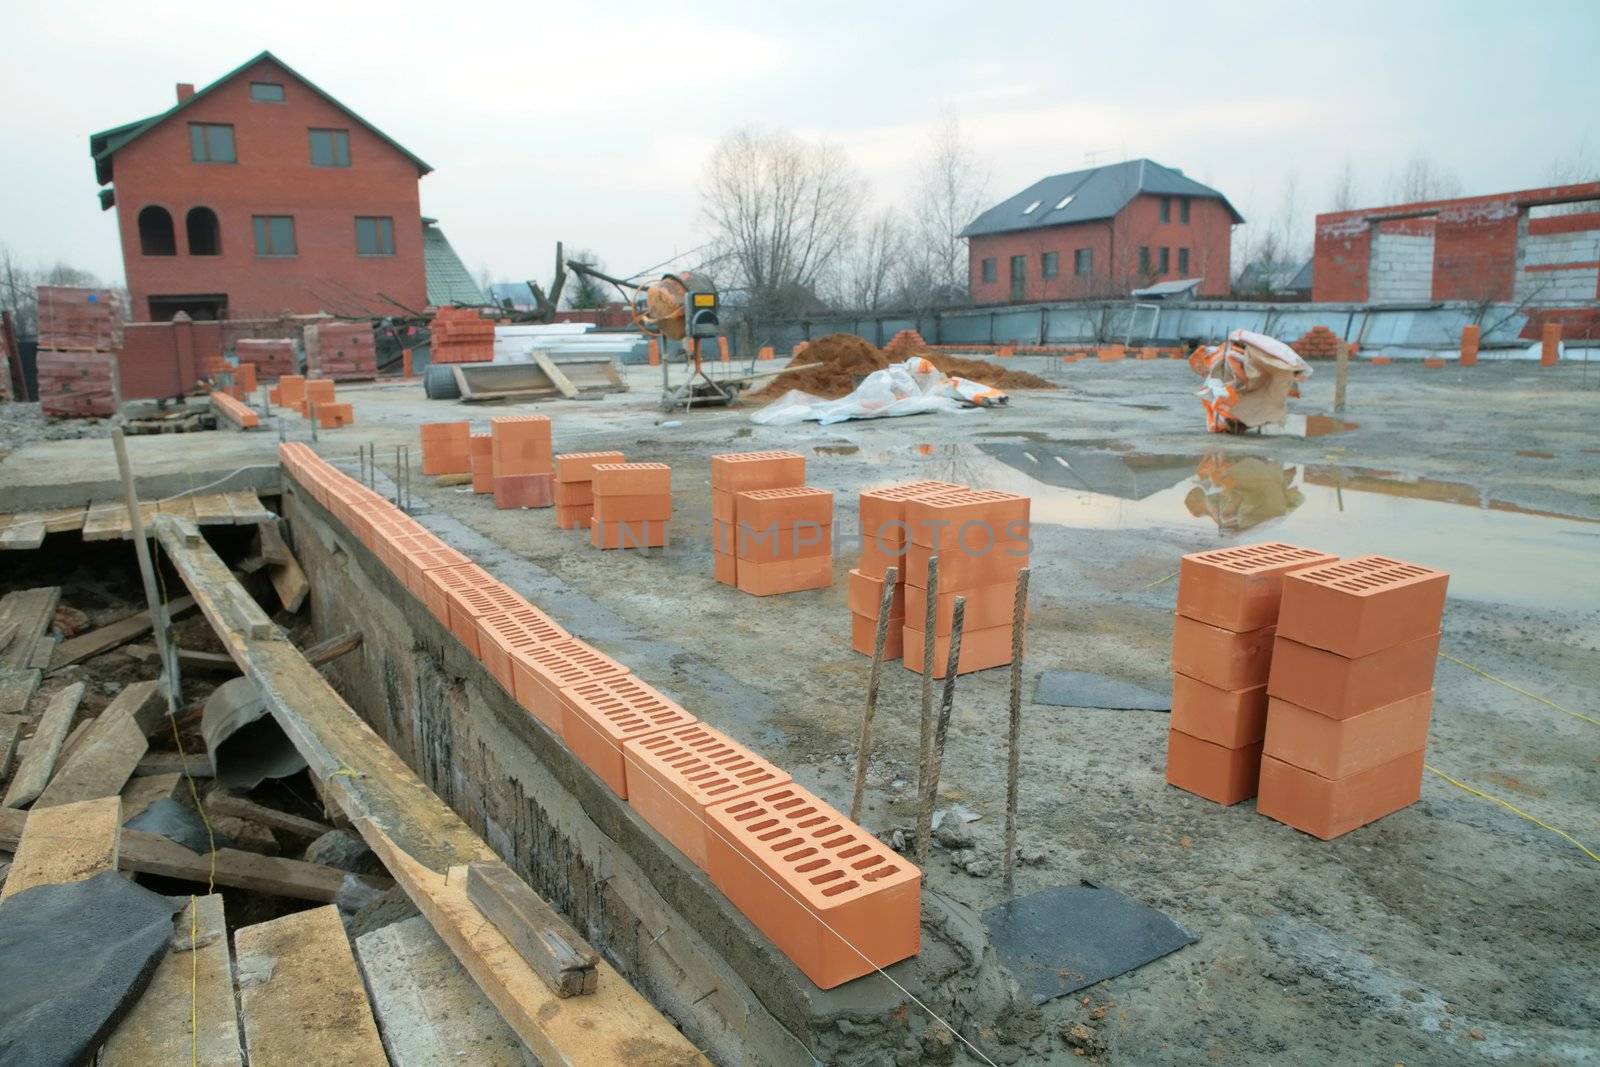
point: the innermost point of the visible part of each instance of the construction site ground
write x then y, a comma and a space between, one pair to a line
1453, 930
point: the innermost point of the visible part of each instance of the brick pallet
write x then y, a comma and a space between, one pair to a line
73, 319
78, 384
341, 351
461, 335
271, 357
1222, 639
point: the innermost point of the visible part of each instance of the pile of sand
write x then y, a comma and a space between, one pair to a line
846, 359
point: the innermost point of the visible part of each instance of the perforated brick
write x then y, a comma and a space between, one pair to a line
540, 672
468, 604
735, 472
830, 896
1362, 605
438, 582
631, 479
883, 511
1240, 588
502, 635
599, 714
764, 509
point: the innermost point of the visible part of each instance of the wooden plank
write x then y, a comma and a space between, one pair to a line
70, 745
64, 520
430, 1011
32, 611
140, 793
188, 659
181, 506
148, 853
211, 509
220, 802
33, 772
614, 1025
301, 995
23, 532
69, 843
289, 581
147, 513
419, 839
100, 767
143, 703
187, 1013
105, 521
247, 508
547, 942
274, 549
17, 689
11, 727
102, 640
195, 765
559, 380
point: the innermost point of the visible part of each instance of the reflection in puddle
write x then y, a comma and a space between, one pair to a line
1494, 550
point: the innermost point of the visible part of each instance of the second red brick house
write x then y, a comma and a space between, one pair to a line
262, 194
1101, 233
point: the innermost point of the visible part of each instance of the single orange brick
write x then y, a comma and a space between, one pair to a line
644, 534
864, 631
876, 559
502, 635
481, 460
883, 511
579, 466
634, 508
1230, 718
513, 491
520, 444
722, 506
782, 509
1341, 687
574, 516
1327, 807
319, 391
785, 576
1359, 606
831, 897
470, 603
734, 472
539, 672
1380, 361
987, 606
981, 650
599, 714
1338, 748
1221, 657
725, 568
446, 448
865, 596
1240, 588
1433, 364
674, 776
438, 583
967, 520
632, 479
571, 494
1223, 775
769, 544
971, 569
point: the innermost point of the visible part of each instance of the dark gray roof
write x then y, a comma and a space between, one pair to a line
449, 281
1097, 193
1302, 280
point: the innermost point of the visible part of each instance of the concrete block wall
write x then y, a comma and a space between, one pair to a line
1559, 261
1400, 268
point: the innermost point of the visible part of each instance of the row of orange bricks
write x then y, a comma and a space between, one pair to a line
771, 533
825, 891
236, 412
981, 538
1306, 677
314, 396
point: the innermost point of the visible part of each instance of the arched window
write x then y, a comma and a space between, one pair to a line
155, 232
205, 236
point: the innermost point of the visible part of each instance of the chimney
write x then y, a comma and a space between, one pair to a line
185, 91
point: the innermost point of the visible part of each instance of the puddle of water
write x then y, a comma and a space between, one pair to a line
1493, 550
1309, 426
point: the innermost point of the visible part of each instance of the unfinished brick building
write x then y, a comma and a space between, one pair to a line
1101, 232
262, 194
1488, 249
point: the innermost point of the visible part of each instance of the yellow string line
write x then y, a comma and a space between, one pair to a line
1518, 689
1459, 784
1158, 581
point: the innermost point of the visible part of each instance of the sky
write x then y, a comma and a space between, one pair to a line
592, 124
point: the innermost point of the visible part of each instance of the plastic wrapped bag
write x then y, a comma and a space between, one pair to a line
910, 388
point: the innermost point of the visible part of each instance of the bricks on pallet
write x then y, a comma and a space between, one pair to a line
1232, 718
446, 448
831, 897
341, 350
461, 335
480, 449
539, 673
1215, 772
599, 714
1337, 748
520, 444
523, 491
1362, 605
640, 534
75, 318
674, 775
1328, 808
78, 384
271, 357
1240, 588
1341, 687
1219, 656
502, 635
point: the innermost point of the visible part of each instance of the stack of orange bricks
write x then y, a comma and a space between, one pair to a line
632, 504
840, 907
771, 533
981, 538
461, 335
910, 340
1319, 342
883, 545
289, 392
480, 455
234, 411
574, 492
446, 448
244, 381
317, 402
1351, 693
272, 357
341, 350
1222, 640
521, 461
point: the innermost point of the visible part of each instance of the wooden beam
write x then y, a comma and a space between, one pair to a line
33, 772
557, 379
546, 942
301, 995
64, 520
220, 802
211, 509
182, 506
274, 549
194, 764
187, 1014
71, 843
100, 767
247, 508
104, 521
112, 635
188, 659
289, 582
17, 689
23, 532
148, 853
32, 611
420, 839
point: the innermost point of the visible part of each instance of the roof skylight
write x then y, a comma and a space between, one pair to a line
1031, 208
1063, 202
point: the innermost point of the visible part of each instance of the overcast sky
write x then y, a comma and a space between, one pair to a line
591, 123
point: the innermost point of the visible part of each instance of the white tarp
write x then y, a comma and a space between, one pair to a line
910, 388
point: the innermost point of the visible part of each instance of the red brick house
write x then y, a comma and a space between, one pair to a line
262, 194
1101, 232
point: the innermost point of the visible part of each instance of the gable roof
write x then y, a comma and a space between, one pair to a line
449, 281
104, 145
1089, 196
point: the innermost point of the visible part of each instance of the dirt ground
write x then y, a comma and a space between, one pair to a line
1451, 931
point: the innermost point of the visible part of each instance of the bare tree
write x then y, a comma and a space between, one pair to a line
1578, 168
19, 287
583, 292
1422, 179
782, 211
1346, 190
870, 276
1273, 244
951, 191
485, 278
